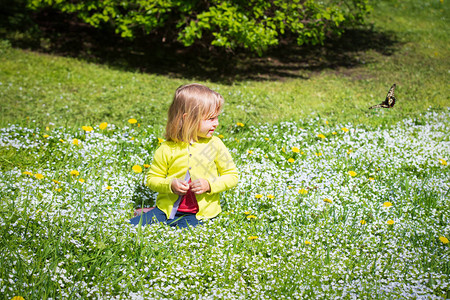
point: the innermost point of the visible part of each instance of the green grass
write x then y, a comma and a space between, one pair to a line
62, 238
70, 92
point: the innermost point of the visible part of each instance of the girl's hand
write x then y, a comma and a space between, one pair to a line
179, 187
200, 186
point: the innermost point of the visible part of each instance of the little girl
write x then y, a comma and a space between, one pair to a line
192, 167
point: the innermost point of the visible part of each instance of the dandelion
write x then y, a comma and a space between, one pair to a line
334, 133
39, 176
240, 124
270, 196
55, 181
17, 298
321, 136
253, 237
318, 154
237, 140
363, 222
81, 180
352, 173
27, 173
344, 129
371, 178
326, 122
307, 242
282, 149
74, 173
59, 190
103, 125
267, 139
327, 200
137, 169
61, 140
252, 217
258, 196
246, 213
291, 160
146, 166
249, 151
390, 222
220, 136
266, 156
132, 121
303, 191
108, 187
160, 140
45, 135
443, 239
76, 142
87, 128
387, 204
295, 150
47, 128
290, 187
132, 138
349, 151
443, 162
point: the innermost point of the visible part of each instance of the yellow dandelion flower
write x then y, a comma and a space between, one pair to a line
132, 138
45, 135
266, 156
291, 160
76, 142
295, 150
137, 169
282, 149
132, 121
240, 124
443, 239
252, 217
349, 151
307, 243
302, 153
352, 173
55, 181
303, 191
253, 237
258, 196
139, 125
246, 213
146, 166
344, 129
74, 173
371, 178
327, 200
270, 196
290, 187
326, 122
334, 133
390, 222
17, 298
103, 125
443, 162
61, 140
59, 190
27, 173
362, 222
39, 176
220, 136
318, 154
267, 139
387, 204
321, 136
237, 140
87, 128
249, 151
108, 187
47, 128
81, 180
160, 140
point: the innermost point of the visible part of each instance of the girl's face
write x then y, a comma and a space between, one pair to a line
206, 127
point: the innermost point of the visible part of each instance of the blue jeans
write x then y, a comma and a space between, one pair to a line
182, 220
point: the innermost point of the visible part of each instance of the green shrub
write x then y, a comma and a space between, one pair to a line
254, 25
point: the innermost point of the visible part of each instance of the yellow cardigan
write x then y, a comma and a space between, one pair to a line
208, 159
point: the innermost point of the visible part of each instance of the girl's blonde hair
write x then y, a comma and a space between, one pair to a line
191, 103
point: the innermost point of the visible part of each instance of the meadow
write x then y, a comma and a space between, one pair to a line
334, 200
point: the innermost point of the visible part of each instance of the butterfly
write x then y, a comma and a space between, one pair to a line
389, 101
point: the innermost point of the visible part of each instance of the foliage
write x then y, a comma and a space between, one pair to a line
255, 25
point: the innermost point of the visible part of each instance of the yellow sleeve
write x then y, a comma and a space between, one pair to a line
157, 174
228, 173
